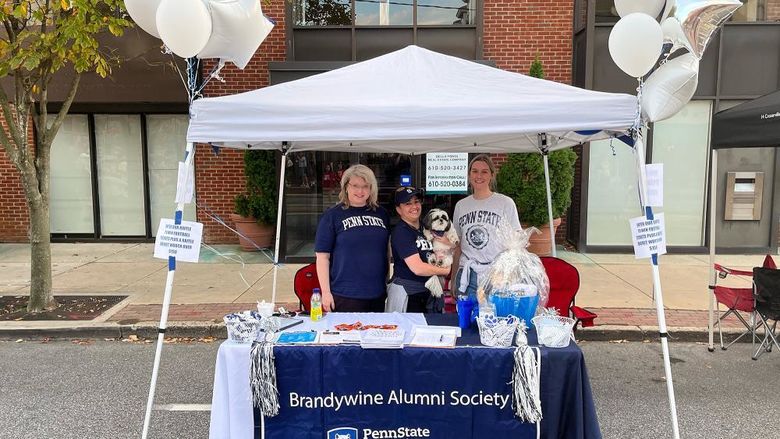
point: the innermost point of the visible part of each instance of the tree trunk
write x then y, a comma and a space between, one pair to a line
40, 259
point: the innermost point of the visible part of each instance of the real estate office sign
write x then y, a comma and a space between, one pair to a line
446, 173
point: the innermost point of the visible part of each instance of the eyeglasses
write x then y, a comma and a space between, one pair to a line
359, 187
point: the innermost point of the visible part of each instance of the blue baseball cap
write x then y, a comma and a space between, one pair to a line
404, 194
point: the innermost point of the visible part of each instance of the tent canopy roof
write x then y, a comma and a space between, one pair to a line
751, 124
412, 101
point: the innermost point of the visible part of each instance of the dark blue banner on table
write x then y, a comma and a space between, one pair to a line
346, 392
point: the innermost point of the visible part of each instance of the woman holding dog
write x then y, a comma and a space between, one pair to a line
407, 291
351, 246
477, 219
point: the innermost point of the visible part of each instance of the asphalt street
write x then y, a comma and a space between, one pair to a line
62, 389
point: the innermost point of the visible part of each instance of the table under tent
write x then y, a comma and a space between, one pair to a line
752, 124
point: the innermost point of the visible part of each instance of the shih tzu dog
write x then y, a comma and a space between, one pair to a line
437, 223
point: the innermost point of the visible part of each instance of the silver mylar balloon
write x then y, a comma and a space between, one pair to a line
692, 23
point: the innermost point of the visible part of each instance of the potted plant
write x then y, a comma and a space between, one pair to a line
255, 210
522, 179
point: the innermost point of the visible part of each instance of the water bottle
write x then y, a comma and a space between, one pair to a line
316, 305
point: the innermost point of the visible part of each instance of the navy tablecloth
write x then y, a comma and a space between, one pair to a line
448, 393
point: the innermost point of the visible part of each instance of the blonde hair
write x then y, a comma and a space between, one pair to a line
491, 166
366, 174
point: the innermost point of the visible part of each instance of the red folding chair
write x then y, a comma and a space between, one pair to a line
304, 283
564, 284
737, 300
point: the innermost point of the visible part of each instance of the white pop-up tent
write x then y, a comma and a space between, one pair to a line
413, 101
416, 101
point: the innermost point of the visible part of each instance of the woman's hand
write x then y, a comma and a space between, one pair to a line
328, 303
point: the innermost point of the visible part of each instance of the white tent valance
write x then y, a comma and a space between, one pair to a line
412, 101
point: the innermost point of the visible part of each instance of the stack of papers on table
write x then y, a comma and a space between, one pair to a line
339, 337
382, 339
435, 336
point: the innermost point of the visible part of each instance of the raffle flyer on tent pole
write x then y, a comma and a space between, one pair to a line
179, 240
648, 236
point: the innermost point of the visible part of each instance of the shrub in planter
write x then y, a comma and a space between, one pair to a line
256, 208
522, 179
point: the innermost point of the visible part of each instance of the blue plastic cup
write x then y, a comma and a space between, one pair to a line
465, 308
525, 308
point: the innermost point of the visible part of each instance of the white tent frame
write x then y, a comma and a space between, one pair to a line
544, 143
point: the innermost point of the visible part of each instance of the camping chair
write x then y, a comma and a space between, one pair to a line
737, 301
564, 284
766, 283
304, 283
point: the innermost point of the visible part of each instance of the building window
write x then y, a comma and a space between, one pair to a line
320, 13
751, 10
120, 174
446, 12
71, 178
117, 144
384, 12
612, 193
323, 12
681, 143
757, 10
606, 12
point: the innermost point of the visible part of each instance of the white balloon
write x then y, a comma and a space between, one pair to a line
673, 33
238, 28
184, 26
635, 44
670, 87
649, 7
144, 13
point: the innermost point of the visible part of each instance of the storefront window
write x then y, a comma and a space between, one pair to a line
384, 12
120, 175
166, 135
71, 178
446, 12
323, 12
681, 143
612, 193
312, 185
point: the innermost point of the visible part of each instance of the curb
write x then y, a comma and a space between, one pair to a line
184, 330
199, 329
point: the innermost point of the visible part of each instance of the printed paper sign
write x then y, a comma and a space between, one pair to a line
181, 241
185, 183
655, 184
649, 237
446, 173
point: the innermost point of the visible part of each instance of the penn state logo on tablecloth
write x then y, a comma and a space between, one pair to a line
343, 433
477, 236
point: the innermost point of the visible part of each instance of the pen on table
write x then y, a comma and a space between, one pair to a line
441, 338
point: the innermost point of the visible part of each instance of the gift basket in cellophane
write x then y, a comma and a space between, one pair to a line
516, 283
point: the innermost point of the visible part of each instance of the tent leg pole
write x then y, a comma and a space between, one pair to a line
713, 214
659, 307
553, 250
278, 238
189, 155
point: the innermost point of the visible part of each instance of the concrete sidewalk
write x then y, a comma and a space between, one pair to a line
617, 287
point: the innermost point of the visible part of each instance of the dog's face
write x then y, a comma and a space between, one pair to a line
437, 220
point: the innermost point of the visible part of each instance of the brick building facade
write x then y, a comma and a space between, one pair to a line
508, 34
